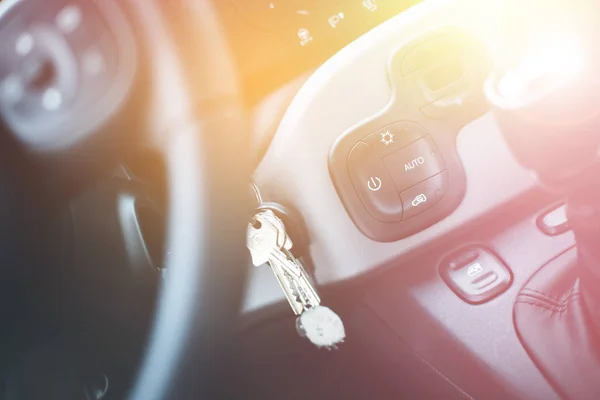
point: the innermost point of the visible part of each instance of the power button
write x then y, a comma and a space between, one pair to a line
374, 184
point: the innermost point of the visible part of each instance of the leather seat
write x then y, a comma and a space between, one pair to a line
556, 328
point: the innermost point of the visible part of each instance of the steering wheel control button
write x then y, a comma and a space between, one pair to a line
24, 44
374, 184
475, 274
52, 99
414, 163
394, 137
424, 195
69, 19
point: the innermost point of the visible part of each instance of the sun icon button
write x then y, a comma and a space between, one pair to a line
387, 137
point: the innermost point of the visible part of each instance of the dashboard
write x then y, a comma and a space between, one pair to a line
329, 161
309, 165
388, 151
277, 40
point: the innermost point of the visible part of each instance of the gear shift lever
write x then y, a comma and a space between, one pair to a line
548, 108
549, 111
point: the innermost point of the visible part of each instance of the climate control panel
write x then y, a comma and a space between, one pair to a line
399, 172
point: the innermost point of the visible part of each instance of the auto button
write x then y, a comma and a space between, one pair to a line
374, 184
414, 163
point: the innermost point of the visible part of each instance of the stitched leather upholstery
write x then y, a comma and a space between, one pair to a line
556, 328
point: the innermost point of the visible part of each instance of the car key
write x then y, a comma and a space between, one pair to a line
269, 242
297, 277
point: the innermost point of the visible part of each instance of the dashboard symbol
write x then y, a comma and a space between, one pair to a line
419, 200
304, 36
335, 19
374, 184
474, 270
387, 138
370, 5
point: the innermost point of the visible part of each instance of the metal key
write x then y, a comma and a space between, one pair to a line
269, 243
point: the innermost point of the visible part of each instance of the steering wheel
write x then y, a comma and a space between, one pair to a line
188, 104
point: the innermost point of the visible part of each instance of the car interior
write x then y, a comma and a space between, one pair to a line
299, 199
